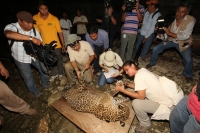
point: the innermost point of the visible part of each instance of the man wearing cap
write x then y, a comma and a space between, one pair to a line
49, 28
147, 34
19, 32
98, 39
108, 61
81, 55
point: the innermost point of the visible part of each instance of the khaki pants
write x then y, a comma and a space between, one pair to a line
70, 74
11, 101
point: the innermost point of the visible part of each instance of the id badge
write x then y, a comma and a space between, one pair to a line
124, 35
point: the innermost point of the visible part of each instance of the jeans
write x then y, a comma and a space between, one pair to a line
25, 71
102, 80
182, 120
111, 39
59, 64
98, 51
186, 55
146, 46
127, 39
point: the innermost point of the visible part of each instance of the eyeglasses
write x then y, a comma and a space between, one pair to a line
73, 45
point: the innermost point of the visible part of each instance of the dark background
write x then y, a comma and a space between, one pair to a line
90, 8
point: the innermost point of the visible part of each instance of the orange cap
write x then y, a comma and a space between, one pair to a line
152, 2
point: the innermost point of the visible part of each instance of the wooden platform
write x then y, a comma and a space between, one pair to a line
89, 123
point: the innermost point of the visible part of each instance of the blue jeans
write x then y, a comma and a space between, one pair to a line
58, 68
102, 80
146, 46
182, 120
127, 39
25, 71
186, 55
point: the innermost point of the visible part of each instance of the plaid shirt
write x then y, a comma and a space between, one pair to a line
17, 49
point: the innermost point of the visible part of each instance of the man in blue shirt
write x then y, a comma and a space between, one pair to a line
99, 42
146, 34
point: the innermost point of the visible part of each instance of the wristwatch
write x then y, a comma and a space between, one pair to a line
31, 38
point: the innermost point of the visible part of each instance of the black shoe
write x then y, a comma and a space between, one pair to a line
149, 66
189, 79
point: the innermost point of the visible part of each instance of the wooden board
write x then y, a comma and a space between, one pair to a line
89, 123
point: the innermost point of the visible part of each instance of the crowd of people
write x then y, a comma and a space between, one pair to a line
90, 53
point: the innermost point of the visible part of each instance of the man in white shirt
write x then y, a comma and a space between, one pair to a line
66, 25
81, 55
178, 36
23, 31
80, 21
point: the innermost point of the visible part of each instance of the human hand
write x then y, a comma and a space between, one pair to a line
110, 11
78, 74
137, 5
144, 40
63, 49
119, 86
99, 20
105, 70
87, 66
37, 41
115, 75
167, 31
194, 89
4, 72
123, 8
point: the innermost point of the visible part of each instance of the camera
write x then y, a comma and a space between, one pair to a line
107, 3
44, 53
129, 4
164, 21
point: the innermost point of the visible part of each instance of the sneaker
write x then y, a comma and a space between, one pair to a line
38, 94
98, 73
52, 78
141, 129
149, 66
30, 111
47, 86
189, 79
60, 77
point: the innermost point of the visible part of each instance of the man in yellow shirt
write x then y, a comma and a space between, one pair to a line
48, 26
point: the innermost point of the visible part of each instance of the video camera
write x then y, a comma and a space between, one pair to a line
164, 21
129, 4
44, 53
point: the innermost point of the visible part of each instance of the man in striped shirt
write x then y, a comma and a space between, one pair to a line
130, 28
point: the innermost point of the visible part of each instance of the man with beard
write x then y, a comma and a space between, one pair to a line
179, 37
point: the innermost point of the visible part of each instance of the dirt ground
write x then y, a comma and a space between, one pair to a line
49, 120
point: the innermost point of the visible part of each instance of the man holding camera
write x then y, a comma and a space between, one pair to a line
81, 55
19, 32
132, 15
178, 36
146, 35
